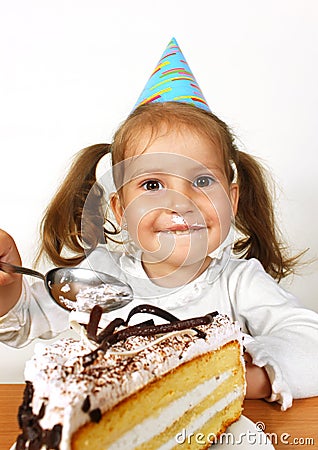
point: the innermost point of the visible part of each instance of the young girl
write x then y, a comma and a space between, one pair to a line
180, 181
181, 188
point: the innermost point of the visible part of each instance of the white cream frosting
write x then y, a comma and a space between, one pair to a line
62, 383
151, 427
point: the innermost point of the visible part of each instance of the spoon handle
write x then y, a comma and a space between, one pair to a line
11, 268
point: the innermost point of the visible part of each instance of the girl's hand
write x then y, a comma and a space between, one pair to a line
258, 384
10, 284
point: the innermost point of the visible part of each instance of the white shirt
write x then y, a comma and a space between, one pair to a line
280, 334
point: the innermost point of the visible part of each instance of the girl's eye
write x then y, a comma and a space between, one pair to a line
152, 185
203, 181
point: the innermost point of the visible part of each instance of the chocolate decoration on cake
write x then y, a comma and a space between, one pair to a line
109, 336
94, 319
42, 411
21, 442
86, 404
150, 309
109, 330
33, 436
95, 415
28, 393
53, 437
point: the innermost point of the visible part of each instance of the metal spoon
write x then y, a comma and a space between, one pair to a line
74, 288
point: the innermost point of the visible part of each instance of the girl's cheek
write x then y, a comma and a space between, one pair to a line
139, 216
220, 207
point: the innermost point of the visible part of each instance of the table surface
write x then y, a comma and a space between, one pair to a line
298, 426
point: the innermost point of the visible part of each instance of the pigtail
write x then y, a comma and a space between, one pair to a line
63, 239
255, 220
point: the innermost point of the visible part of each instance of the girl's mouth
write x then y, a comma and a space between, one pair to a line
183, 229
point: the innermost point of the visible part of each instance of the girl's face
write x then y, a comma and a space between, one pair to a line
175, 198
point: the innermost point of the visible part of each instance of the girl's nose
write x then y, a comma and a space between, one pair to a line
179, 202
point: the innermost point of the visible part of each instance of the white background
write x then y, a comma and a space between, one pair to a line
71, 71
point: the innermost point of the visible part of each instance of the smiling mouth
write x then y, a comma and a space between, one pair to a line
185, 230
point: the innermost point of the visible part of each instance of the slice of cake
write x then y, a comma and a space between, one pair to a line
172, 385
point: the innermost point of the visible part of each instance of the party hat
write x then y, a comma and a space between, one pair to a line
172, 81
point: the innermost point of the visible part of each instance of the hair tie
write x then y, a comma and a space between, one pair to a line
103, 166
104, 175
234, 168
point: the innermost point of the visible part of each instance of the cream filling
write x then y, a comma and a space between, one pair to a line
155, 425
195, 425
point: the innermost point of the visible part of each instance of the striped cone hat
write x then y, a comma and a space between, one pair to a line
172, 81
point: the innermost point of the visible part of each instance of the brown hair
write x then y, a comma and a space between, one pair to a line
260, 237
62, 225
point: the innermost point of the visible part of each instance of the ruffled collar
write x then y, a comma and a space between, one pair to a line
172, 298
